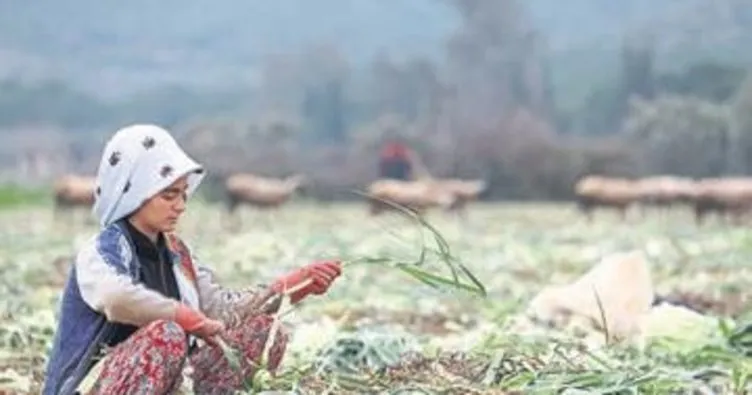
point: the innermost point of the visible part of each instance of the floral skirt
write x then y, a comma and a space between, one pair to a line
151, 361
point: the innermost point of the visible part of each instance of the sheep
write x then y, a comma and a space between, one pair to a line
416, 195
704, 202
665, 191
463, 190
732, 195
598, 191
260, 192
71, 191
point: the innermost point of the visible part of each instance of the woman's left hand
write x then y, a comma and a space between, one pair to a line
319, 274
324, 273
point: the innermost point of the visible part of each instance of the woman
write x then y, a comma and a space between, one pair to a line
137, 294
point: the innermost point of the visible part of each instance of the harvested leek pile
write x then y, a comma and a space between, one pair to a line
407, 318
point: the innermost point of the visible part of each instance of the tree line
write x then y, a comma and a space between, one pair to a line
489, 109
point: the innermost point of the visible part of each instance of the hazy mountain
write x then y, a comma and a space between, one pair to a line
116, 47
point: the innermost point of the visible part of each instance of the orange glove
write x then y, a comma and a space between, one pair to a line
197, 324
320, 274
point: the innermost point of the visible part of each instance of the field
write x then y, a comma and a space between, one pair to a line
379, 330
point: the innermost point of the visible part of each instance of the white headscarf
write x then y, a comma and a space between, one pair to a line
137, 163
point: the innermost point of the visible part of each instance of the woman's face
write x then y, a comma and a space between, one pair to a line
162, 211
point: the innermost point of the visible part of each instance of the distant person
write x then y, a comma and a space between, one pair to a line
395, 161
136, 289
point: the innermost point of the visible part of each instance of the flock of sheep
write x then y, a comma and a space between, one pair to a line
419, 194
725, 196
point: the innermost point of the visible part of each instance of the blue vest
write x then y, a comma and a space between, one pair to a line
81, 331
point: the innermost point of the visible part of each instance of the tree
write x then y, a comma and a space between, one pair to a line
411, 89
740, 130
706, 80
494, 61
678, 135
324, 110
637, 68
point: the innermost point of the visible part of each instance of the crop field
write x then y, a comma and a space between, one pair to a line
381, 330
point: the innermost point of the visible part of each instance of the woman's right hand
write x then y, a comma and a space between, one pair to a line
196, 323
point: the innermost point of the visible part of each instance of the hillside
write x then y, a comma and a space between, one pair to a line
128, 45
118, 47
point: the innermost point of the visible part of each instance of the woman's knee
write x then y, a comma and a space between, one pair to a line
167, 328
167, 331
263, 323
261, 327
